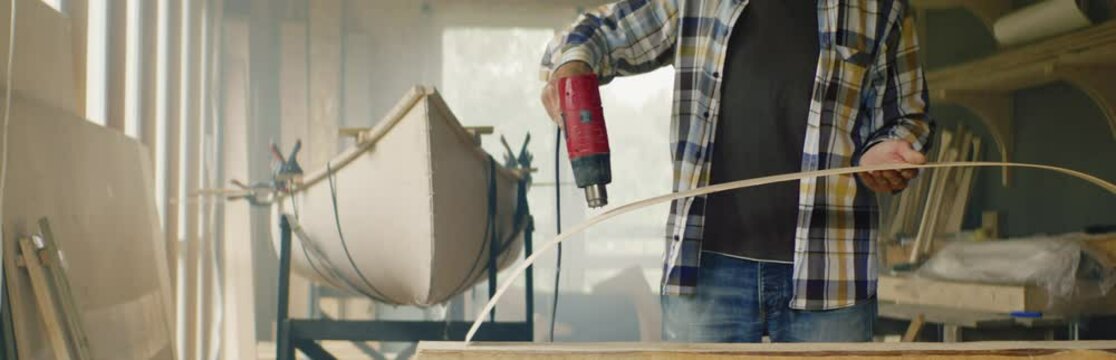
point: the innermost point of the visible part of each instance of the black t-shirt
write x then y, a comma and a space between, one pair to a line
765, 100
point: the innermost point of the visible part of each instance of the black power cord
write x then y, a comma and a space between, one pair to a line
557, 226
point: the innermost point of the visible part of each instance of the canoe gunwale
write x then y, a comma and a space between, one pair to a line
388, 122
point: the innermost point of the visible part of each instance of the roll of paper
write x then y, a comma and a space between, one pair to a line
1044, 19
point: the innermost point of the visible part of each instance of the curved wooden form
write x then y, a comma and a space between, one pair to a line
995, 110
1099, 83
629, 207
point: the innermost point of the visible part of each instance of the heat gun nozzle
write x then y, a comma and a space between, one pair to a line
596, 195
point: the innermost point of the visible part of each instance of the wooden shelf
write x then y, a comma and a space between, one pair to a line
987, 10
1086, 59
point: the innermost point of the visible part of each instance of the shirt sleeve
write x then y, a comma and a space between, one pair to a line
623, 38
903, 113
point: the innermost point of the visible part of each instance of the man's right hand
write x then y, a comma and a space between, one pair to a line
550, 96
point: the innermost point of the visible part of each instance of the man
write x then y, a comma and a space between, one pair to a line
765, 87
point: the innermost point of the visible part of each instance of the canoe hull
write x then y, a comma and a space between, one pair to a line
405, 219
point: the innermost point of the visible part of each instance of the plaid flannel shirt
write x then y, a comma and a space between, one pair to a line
869, 87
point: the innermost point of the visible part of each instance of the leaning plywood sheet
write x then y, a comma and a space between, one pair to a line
1075, 350
43, 65
95, 186
401, 216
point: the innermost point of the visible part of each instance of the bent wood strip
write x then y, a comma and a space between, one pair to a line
626, 208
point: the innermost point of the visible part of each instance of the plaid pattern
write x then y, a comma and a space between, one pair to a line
869, 87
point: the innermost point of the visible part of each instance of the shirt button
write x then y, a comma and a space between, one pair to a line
716, 74
705, 114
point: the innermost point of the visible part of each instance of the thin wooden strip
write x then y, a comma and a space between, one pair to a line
928, 232
626, 208
953, 185
965, 188
47, 309
931, 194
914, 329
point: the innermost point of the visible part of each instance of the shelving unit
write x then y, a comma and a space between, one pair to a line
987, 10
1085, 58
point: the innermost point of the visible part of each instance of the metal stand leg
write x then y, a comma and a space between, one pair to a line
300, 334
528, 248
9, 351
283, 348
951, 333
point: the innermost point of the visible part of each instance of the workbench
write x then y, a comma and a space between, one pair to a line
955, 322
1076, 350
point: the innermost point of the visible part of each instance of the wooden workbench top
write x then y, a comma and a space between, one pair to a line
1084, 350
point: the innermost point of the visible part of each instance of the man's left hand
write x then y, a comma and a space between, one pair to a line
890, 152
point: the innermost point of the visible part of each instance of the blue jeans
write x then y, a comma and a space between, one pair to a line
739, 300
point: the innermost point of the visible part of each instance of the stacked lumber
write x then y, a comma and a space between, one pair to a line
935, 202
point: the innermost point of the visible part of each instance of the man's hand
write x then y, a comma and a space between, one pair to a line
550, 96
890, 152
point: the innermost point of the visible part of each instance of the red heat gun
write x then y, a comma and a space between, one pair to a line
586, 138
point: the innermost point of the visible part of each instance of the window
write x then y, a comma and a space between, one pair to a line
490, 76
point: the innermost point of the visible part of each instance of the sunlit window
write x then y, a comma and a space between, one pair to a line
132, 69
490, 76
95, 66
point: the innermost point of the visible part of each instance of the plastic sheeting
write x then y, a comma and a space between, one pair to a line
1062, 265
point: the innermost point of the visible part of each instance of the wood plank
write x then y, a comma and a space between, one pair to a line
952, 186
914, 329
997, 298
985, 297
1086, 350
943, 315
964, 190
1104, 245
17, 298
44, 301
933, 194
943, 176
63, 291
